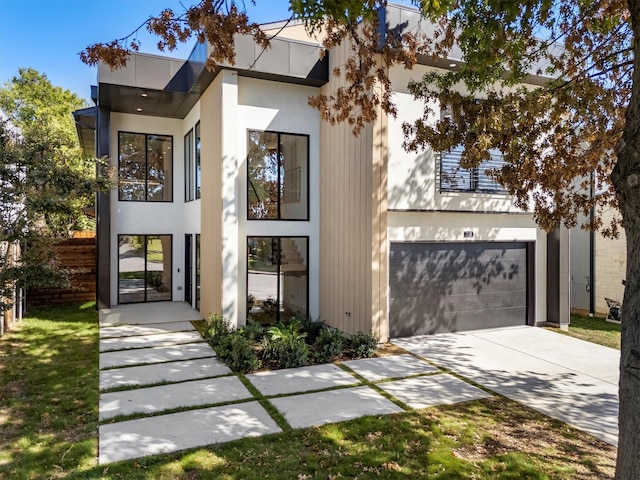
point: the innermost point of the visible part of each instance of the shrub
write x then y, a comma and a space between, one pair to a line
236, 351
252, 331
329, 345
363, 345
312, 329
291, 329
217, 329
288, 352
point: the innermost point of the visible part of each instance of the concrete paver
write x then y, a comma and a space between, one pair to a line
145, 341
314, 409
162, 372
304, 379
175, 395
557, 375
124, 330
171, 353
422, 392
148, 313
565, 378
182, 430
396, 366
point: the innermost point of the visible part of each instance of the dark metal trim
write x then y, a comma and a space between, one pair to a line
103, 214
308, 179
189, 188
279, 237
146, 165
145, 235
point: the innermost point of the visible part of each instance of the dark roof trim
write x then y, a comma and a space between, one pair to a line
85, 120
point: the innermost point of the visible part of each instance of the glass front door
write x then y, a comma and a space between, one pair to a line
144, 268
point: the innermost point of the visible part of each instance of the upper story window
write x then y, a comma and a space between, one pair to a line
454, 178
277, 176
145, 167
189, 169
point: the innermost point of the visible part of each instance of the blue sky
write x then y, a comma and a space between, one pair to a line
48, 34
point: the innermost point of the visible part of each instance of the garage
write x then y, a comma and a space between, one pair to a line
453, 287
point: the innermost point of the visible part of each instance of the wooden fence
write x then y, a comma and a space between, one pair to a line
78, 255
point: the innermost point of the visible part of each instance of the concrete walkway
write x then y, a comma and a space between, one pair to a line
160, 396
563, 377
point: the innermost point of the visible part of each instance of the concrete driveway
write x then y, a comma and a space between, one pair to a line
565, 378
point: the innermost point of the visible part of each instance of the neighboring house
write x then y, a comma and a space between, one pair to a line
235, 197
598, 266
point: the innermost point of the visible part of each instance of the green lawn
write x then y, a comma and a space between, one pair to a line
48, 429
594, 329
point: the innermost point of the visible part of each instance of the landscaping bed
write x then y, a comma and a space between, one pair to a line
289, 344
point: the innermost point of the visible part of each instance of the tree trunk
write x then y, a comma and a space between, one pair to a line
626, 181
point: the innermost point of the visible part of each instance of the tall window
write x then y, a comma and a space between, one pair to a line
198, 160
198, 271
189, 168
277, 278
454, 178
145, 167
277, 176
144, 268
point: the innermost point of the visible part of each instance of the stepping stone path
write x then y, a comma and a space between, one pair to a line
166, 391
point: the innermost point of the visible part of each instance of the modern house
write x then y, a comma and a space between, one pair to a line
235, 197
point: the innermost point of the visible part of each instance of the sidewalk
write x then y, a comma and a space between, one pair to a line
163, 390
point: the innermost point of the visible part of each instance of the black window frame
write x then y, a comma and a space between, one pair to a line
198, 172
197, 272
189, 167
145, 235
146, 166
306, 180
279, 266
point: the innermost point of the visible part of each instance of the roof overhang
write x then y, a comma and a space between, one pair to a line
399, 19
165, 87
85, 120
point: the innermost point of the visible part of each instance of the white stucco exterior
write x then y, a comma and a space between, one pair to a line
149, 218
265, 105
248, 104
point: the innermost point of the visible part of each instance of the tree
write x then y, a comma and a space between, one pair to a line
39, 109
45, 181
580, 125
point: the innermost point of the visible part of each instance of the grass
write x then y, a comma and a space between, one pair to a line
49, 393
48, 429
594, 329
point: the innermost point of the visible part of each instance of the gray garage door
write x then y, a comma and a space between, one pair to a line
435, 287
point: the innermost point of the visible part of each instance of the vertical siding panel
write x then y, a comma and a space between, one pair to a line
379, 315
369, 228
211, 233
347, 226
